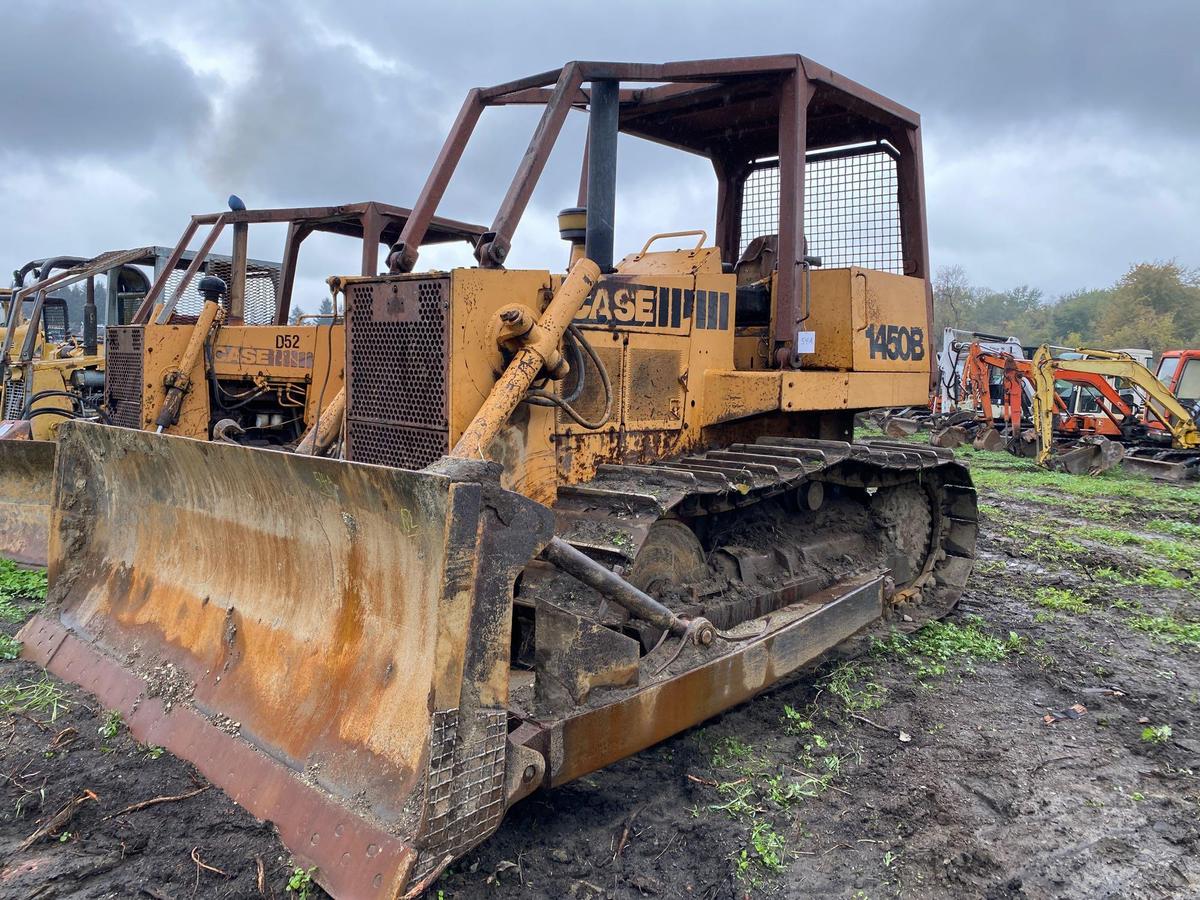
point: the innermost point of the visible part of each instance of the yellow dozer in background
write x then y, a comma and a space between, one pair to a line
576, 514
204, 350
51, 371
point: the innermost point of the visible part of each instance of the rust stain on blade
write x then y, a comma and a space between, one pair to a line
354, 859
295, 597
26, 479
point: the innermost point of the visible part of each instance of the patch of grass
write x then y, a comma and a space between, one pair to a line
1161, 578
794, 721
10, 648
1181, 553
1148, 577
1168, 630
1175, 528
855, 684
1061, 600
111, 726
1111, 484
930, 649
769, 846
300, 883
37, 696
1105, 534
20, 591
1156, 734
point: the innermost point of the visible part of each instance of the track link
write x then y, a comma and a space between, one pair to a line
610, 516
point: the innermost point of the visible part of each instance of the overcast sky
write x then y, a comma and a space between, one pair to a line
1060, 137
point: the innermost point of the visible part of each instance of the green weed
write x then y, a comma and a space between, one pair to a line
300, 883
111, 726
10, 648
741, 800
1061, 600
731, 751
794, 721
929, 649
854, 683
38, 696
1168, 630
1156, 734
769, 846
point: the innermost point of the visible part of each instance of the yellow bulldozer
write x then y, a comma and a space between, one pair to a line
50, 372
575, 514
204, 350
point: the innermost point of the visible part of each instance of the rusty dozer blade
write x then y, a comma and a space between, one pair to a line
325, 641
26, 479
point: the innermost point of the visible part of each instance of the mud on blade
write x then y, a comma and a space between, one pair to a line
326, 641
26, 477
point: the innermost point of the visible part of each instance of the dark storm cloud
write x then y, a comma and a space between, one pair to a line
77, 82
1058, 134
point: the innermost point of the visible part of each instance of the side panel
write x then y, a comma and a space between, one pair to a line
305, 362
891, 327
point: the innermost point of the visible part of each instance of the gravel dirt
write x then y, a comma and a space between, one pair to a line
927, 768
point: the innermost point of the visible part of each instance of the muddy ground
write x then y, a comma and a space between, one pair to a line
925, 769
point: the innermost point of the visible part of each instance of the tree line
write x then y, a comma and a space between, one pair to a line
1155, 306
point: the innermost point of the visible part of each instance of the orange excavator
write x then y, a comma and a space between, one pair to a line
1113, 415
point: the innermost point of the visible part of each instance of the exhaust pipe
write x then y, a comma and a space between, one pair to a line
90, 340
602, 173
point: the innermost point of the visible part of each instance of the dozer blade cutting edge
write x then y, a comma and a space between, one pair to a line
26, 478
327, 642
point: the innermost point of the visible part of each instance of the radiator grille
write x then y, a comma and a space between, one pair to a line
123, 375
397, 336
14, 398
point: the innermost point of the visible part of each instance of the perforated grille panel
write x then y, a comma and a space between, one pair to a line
851, 208
123, 375
262, 292
14, 398
397, 337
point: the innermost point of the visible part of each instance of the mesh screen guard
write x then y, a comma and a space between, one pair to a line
851, 207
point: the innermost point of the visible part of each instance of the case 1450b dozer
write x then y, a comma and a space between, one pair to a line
576, 515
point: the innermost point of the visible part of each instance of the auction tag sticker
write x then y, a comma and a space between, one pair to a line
806, 342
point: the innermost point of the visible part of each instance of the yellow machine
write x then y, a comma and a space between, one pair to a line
48, 370
575, 513
216, 359
48, 374
1164, 441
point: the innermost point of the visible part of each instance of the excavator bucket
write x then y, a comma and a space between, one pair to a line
326, 641
26, 478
